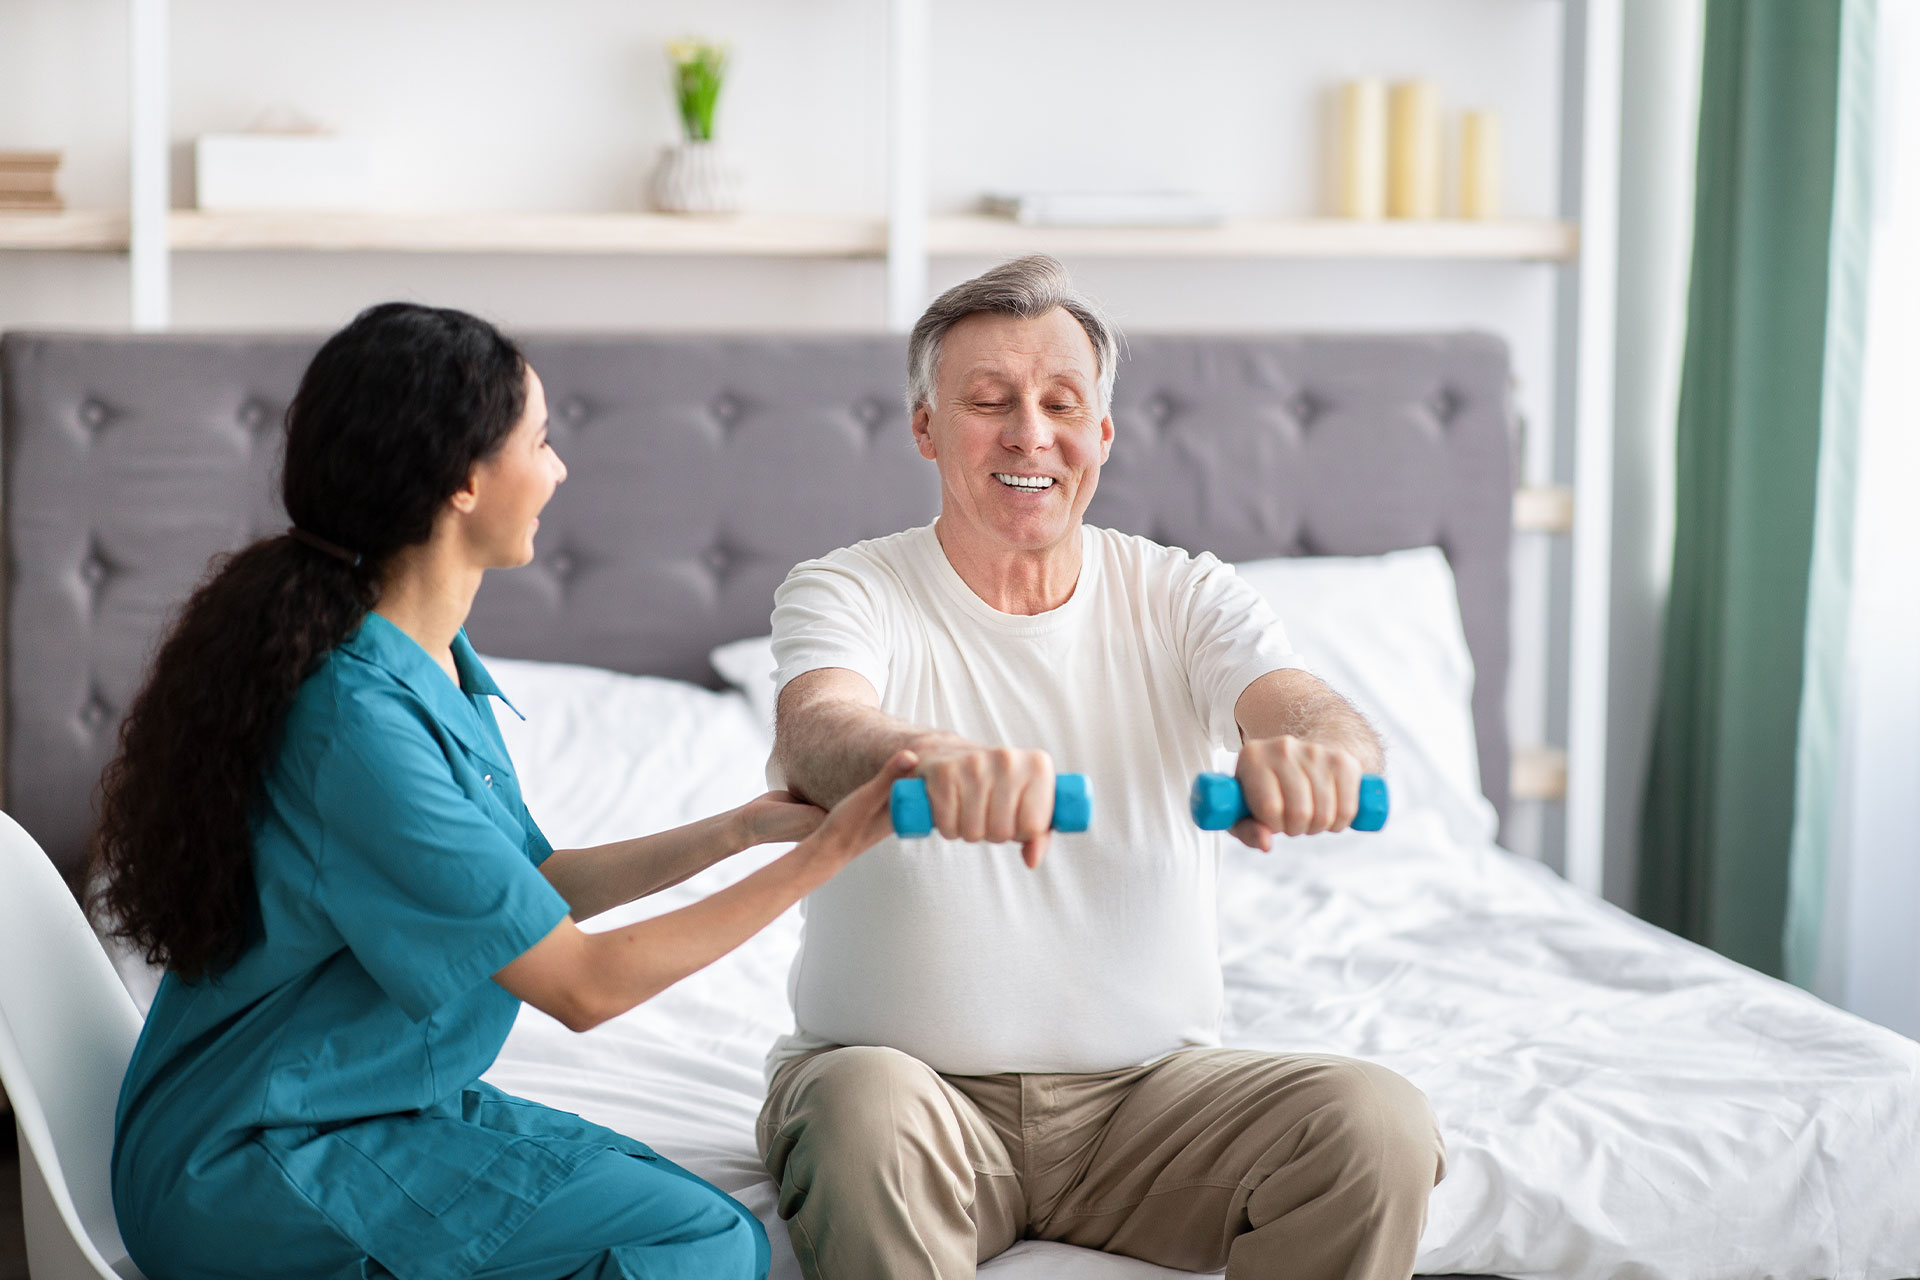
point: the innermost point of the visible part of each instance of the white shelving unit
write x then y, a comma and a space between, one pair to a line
1567, 480
1512, 240
1584, 380
769, 235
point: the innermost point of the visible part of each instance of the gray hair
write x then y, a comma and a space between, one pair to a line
1026, 287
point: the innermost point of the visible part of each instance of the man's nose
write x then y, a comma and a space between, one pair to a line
1028, 429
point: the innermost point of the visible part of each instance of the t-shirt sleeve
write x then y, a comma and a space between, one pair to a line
826, 614
429, 893
1229, 637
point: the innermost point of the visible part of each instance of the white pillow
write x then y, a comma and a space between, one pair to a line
748, 666
1385, 632
604, 756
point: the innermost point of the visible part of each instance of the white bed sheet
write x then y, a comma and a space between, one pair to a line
1615, 1102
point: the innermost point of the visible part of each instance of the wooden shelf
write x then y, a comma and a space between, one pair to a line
773, 235
75, 229
1539, 773
1544, 508
1518, 240
536, 233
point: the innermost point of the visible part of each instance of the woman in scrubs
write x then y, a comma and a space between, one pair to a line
312, 822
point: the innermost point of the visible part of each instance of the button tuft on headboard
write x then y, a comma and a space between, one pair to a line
727, 410
1445, 405
94, 414
96, 712
872, 415
253, 414
1305, 407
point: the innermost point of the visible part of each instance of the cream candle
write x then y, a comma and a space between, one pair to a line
1413, 144
1480, 165
1362, 141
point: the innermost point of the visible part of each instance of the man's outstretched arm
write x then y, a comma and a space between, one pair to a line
829, 726
1303, 749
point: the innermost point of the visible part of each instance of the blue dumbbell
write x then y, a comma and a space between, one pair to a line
913, 815
1217, 803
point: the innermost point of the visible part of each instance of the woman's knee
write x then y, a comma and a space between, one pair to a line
735, 1250
741, 1250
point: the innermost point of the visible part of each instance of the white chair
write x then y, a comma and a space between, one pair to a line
67, 1029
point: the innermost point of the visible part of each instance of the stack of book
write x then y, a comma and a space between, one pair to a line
26, 180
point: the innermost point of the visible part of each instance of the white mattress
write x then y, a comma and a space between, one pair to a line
1615, 1102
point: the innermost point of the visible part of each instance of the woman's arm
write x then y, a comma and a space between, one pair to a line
582, 979
604, 876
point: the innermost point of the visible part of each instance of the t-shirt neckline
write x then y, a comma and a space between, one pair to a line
956, 587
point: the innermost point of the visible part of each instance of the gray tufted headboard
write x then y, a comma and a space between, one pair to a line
702, 469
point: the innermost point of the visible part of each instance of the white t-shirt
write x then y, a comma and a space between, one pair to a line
1105, 957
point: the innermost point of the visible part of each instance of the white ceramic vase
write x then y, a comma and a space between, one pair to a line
694, 177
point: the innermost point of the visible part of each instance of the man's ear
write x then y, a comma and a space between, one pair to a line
1106, 437
923, 438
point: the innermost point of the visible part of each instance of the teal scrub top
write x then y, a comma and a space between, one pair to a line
320, 1098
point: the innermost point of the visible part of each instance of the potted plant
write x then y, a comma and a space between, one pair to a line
692, 176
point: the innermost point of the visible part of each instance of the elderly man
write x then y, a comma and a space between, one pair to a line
987, 1051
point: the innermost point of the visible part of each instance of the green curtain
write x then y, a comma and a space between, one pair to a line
1771, 366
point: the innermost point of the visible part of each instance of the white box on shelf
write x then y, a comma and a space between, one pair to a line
290, 171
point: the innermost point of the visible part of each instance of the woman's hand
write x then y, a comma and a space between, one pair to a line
863, 816
778, 818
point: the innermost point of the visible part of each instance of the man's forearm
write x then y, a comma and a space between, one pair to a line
1294, 703
827, 747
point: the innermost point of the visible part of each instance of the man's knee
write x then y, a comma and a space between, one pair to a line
1376, 1130
865, 1097
856, 1110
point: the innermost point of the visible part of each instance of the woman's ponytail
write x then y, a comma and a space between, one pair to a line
390, 419
174, 866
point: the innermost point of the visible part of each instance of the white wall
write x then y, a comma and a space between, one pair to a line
494, 105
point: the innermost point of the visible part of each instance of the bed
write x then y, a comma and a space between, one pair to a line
1616, 1102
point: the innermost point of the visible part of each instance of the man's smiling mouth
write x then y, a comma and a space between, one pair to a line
1031, 484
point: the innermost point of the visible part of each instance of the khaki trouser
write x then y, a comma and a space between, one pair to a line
1298, 1166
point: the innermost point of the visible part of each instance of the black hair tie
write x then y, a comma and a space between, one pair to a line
318, 543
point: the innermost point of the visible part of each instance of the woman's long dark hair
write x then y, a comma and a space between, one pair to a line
388, 423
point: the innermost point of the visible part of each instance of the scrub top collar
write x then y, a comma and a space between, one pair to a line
382, 644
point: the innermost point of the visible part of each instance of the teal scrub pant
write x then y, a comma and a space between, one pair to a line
671, 1225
